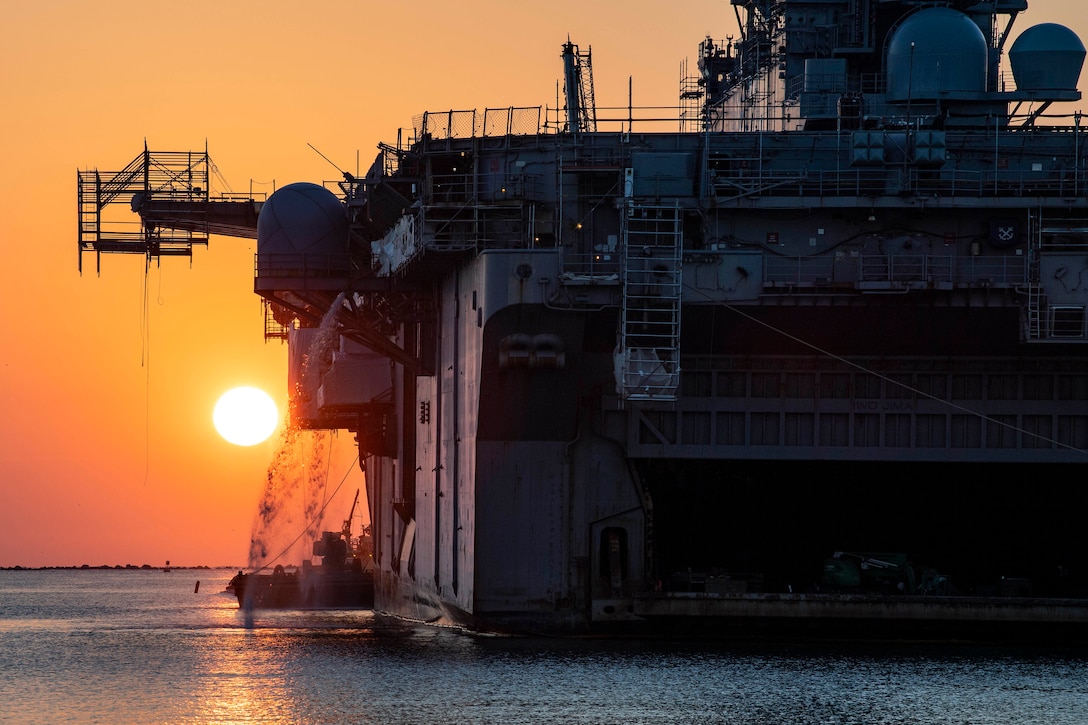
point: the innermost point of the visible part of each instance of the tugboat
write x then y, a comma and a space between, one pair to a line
344, 579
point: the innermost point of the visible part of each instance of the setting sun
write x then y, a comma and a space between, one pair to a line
245, 416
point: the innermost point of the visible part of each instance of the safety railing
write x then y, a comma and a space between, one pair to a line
308, 266
491, 122
921, 269
877, 182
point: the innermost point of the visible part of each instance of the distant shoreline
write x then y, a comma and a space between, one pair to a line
115, 567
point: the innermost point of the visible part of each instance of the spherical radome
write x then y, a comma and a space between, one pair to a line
302, 219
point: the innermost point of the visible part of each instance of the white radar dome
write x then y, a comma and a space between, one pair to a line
302, 224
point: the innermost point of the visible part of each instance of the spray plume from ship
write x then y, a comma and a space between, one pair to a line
288, 518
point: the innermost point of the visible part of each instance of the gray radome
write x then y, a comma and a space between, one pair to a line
933, 51
1047, 57
301, 219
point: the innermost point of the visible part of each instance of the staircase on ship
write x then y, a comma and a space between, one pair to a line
648, 359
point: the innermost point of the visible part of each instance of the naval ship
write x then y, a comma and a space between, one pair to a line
810, 355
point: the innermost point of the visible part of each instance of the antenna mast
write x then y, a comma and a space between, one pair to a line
578, 77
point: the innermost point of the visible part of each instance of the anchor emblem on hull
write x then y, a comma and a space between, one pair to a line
1004, 233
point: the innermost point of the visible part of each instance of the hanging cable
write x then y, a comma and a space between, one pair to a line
145, 363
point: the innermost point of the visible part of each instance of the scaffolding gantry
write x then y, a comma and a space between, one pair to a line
170, 192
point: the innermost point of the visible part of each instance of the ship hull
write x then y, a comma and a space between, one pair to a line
542, 504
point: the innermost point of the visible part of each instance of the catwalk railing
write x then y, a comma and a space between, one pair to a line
875, 182
906, 270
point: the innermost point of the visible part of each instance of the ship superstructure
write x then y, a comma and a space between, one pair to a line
816, 354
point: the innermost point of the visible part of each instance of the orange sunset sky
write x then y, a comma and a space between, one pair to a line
107, 450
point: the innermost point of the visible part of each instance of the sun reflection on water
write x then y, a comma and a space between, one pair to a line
243, 679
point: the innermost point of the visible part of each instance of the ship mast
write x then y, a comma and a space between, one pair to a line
578, 87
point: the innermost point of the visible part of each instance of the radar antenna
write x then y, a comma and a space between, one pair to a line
347, 176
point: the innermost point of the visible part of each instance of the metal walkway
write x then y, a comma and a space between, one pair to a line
170, 192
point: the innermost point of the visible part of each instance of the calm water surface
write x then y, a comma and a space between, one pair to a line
142, 647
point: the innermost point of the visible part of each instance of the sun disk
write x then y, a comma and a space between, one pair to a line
245, 416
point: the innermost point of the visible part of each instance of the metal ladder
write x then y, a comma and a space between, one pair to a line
90, 218
648, 358
1036, 303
